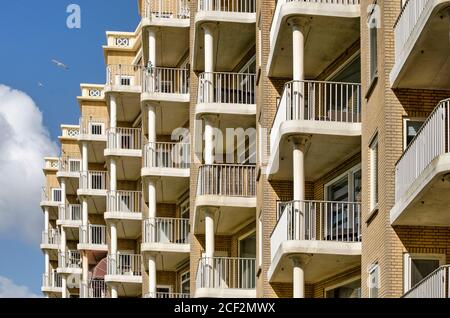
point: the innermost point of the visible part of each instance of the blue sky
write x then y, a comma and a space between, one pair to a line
33, 33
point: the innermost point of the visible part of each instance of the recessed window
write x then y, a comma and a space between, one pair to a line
349, 289
373, 157
410, 128
418, 266
373, 46
374, 280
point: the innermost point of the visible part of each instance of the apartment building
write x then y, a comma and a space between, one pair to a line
249, 148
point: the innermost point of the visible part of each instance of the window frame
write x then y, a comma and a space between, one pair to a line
408, 257
405, 128
374, 174
374, 269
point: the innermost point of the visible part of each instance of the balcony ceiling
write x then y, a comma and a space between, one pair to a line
172, 46
326, 39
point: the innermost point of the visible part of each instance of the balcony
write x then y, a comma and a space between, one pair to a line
93, 240
69, 132
126, 81
227, 94
123, 41
163, 13
421, 38
96, 288
125, 145
69, 168
331, 28
230, 187
69, 216
226, 277
50, 242
167, 295
172, 18
51, 199
169, 88
125, 207
422, 174
234, 23
168, 237
328, 231
328, 112
69, 263
51, 284
125, 270
93, 132
92, 92
93, 183
435, 285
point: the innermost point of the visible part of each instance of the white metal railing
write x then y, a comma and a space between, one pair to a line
69, 212
167, 295
226, 272
95, 288
124, 264
69, 259
123, 75
93, 234
435, 285
51, 194
432, 140
93, 180
227, 180
166, 230
316, 221
52, 280
70, 164
92, 127
236, 6
124, 138
124, 201
166, 9
280, 3
51, 237
173, 155
318, 101
166, 80
228, 88
407, 21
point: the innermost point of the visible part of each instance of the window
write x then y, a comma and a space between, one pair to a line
74, 165
373, 43
185, 282
56, 195
419, 266
260, 240
410, 129
374, 281
348, 289
374, 174
96, 128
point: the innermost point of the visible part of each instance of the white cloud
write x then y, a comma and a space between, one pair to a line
24, 142
8, 289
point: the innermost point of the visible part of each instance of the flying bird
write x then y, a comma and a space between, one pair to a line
40, 84
60, 64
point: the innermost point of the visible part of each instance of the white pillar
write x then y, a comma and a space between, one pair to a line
47, 263
46, 219
209, 138
64, 286
152, 275
298, 50
152, 46
113, 239
209, 233
209, 47
112, 111
151, 198
84, 211
298, 159
298, 282
85, 274
151, 109
84, 154
113, 174
114, 293
63, 242
298, 275
63, 191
